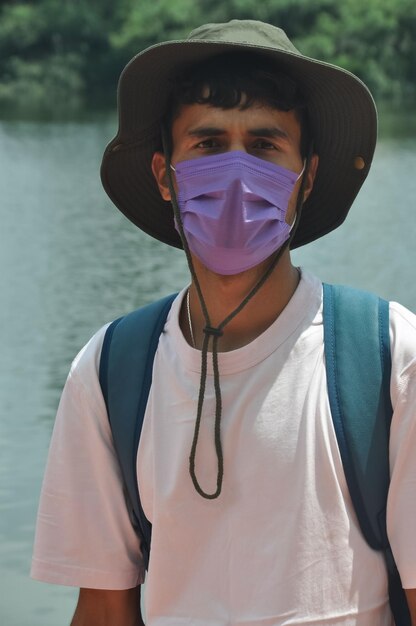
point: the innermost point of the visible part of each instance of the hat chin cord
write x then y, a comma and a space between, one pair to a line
217, 332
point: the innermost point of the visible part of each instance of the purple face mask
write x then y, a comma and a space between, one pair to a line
233, 208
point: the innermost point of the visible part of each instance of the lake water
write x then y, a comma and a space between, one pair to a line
70, 262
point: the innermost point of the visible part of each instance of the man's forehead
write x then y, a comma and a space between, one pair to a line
193, 119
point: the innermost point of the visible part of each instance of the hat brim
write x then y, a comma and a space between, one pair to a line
341, 113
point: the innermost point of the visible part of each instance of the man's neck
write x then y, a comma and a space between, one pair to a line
223, 294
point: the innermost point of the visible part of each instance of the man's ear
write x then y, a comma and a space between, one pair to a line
313, 166
160, 174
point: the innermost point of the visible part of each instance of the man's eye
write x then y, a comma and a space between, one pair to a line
262, 144
207, 144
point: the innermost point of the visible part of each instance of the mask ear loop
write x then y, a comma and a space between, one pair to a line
301, 193
217, 332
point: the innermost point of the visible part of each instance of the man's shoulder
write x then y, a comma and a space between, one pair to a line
87, 362
403, 317
403, 339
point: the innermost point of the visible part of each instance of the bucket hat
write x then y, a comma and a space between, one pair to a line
341, 113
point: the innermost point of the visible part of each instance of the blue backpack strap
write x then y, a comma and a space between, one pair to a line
125, 375
358, 366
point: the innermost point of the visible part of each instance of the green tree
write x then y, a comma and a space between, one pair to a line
152, 21
63, 53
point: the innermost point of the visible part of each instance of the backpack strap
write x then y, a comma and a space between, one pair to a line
358, 367
125, 376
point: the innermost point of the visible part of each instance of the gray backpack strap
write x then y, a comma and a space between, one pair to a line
358, 367
125, 375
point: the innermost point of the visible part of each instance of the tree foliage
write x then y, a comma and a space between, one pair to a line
63, 53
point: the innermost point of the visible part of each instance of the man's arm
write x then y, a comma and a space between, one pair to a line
411, 601
97, 607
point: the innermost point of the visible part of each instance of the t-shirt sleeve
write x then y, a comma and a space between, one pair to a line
401, 505
84, 536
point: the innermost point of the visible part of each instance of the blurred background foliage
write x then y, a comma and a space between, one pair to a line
64, 55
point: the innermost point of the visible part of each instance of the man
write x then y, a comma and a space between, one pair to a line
236, 147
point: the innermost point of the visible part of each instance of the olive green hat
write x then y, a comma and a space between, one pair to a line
341, 112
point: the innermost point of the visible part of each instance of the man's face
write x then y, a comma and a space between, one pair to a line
200, 130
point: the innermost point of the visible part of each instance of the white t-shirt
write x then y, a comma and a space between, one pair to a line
281, 545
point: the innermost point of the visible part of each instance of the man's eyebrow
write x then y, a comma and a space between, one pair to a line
273, 132
206, 131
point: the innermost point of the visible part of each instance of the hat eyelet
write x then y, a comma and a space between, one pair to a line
359, 163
